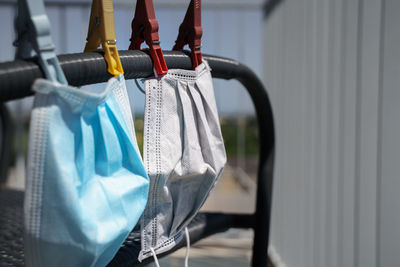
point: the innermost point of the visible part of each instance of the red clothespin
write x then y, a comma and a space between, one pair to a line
145, 29
190, 32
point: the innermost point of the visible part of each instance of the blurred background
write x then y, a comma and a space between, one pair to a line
332, 69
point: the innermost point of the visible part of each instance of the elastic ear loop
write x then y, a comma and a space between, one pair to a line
187, 247
155, 257
139, 87
187, 251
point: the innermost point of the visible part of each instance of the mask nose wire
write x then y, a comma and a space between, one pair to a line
187, 247
155, 257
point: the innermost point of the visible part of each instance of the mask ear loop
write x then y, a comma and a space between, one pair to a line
187, 247
155, 257
139, 87
187, 250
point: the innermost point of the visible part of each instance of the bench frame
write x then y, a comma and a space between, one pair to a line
89, 68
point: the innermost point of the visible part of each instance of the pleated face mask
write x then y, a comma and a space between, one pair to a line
184, 154
86, 185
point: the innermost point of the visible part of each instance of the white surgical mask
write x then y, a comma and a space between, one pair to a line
183, 153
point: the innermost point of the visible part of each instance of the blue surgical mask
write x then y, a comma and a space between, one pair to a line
183, 152
86, 186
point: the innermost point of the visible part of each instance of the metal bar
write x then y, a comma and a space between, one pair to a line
270, 6
202, 226
17, 77
6, 141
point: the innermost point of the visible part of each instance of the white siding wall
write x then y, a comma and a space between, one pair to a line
333, 70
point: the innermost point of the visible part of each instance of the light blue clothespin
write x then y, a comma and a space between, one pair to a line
33, 31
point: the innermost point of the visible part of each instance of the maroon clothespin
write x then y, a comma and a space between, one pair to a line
145, 29
190, 32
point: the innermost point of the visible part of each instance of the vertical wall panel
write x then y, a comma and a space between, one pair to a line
333, 110
335, 68
308, 121
349, 102
75, 34
271, 66
228, 45
58, 27
169, 21
7, 30
389, 205
368, 140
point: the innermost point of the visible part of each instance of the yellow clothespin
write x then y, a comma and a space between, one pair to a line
101, 30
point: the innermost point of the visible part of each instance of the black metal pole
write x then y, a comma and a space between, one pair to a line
6, 138
80, 69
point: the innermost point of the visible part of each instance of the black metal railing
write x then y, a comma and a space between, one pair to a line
16, 78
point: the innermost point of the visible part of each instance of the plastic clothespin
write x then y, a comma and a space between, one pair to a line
33, 31
102, 31
190, 32
145, 29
